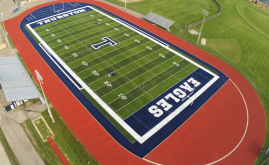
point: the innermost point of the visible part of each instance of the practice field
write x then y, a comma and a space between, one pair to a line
126, 88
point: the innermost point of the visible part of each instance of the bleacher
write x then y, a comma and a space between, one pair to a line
159, 20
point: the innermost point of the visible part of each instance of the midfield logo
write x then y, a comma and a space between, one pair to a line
105, 41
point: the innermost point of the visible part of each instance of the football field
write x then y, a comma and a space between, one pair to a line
122, 69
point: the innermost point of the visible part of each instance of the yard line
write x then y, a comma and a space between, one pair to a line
71, 24
97, 51
109, 58
80, 17
139, 76
55, 29
120, 68
91, 53
151, 88
82, 46
161, 93
70, 27
135, 77
81, 37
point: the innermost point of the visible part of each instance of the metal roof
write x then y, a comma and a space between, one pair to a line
16, 82
159, 20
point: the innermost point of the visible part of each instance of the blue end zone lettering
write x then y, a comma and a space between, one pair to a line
105, 41
157, 110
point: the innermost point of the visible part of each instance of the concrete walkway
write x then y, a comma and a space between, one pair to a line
3, 156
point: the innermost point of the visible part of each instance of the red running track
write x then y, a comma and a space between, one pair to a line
57, 151
228, 129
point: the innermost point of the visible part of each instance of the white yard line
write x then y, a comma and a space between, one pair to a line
62, 34
151, 88
107, 67
125, 74
84, 31
98, 52
80, 25
62, 44
61, 22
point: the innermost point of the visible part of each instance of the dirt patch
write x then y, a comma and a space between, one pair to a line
194, 32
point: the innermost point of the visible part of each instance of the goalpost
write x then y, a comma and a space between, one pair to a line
58, 10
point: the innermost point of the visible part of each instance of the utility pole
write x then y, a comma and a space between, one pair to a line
205, 14
40, 79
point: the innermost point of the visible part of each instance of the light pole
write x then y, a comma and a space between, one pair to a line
5, 30
125, 6
205, 14
40, 79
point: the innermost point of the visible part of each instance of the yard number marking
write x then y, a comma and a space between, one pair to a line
75, 54
84, 63
137, 41
95, 73
107, 83
149, 48
66, 47
47, 30
123, 97
59, 40
161, 55
53, 35
175, 63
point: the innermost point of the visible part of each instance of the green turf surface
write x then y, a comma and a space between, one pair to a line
143, 69
182, 12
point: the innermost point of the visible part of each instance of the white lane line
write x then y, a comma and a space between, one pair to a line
244, 132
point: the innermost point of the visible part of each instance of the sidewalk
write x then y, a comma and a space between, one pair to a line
3, 156
18, 141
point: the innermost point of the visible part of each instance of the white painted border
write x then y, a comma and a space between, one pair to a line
59, 66
104, 105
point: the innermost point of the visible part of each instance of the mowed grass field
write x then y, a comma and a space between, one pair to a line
143, 69
239, 34
180, 11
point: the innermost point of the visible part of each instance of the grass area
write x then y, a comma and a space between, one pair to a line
227, 47
12, 158
256, 17
41, 126
182, 12
66, 141
34, 138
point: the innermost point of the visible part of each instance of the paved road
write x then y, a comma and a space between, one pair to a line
18, 141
